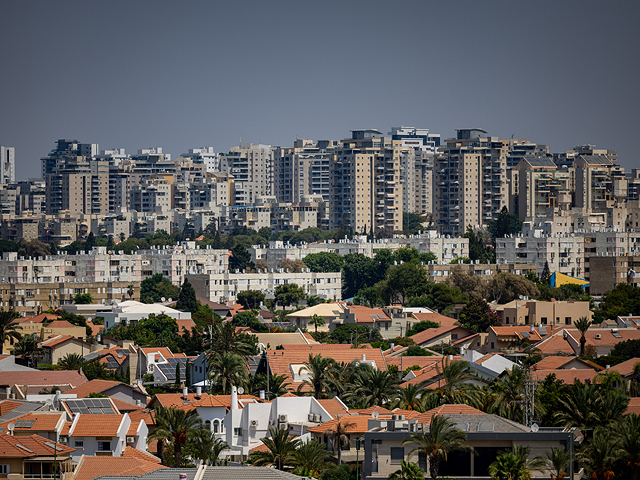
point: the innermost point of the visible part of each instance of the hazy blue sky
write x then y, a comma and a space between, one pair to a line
180, 75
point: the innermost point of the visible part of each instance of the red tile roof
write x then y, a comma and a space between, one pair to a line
61, 324
43, 378
97, 425
27, 446
37, 319
569, 377
92, 467
42, 422
633, 407
95, 329
58, 340
366, 314
142, 414
94, 386
449, 409
130, 452
431, 333
333, 406
7, 405
443, 320
625, 368
354, 423
186, 324
133, 427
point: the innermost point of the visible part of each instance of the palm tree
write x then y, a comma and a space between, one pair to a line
131, 291
634, 384
71, 361
558, 461
372, 387
278, 385
316, 320
407, 471
227, 369
441, 439
580, 407
342, 375
281, 449
629, 438
516, 464
339, 437
582, 324
318, 368
509, 395
600, 454
206, 446
452, 385
27, 347
408, 398
8, 329
174, 426
310, 458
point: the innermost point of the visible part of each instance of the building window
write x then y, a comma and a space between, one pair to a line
567, 320
544, 320
237, 431
5, 469
78, 444
104, 446
397, 454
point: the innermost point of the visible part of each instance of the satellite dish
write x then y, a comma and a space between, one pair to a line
241, 390
535, 427
375, 415
10, 427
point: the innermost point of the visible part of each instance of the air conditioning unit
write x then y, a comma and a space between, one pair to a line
131, 439
254, 423
282, 418
317, 418
598, 336
311, 417
64, 440
284, 425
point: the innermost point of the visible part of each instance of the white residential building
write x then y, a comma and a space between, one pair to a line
7, 164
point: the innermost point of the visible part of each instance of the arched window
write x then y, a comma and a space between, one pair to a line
215, 426
208, 425
222, 426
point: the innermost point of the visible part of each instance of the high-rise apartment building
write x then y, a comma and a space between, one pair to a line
470, 181
252, 169
7, 164
204, 155
542, 187
303, 169
79, 186
599, 182
365, 182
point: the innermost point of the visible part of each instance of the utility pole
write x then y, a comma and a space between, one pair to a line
529, 397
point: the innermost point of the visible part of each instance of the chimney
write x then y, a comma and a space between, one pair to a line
392, 347
198, 391
185, 392
364, 357
261, 394
234, 398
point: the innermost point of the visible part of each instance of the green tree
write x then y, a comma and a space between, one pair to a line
623, 300
411, 223
27, 347
505, 224
276, 387
355, 273
248, 319
476, 315
316, 320
408, 398
178, 379
223, 338
406, 280
416, 351
545, 276
152, 289
583, 324
288, 293
407, 471
600, 454
187, 301
71, 361
354, 334
281, 449
226, 370
311, 458
372, 387
516, 464
436, 443
480, 247
629, 441
558, 461
83, 299
323, 262
240, 259
250, 299
319, 370
205, 446
173, 427
452, 385
339, 437
8, 329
